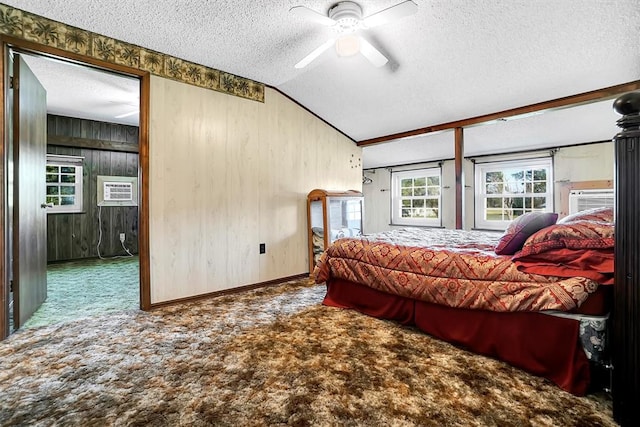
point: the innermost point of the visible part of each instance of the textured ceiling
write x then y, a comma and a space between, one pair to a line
87, 93
452, 60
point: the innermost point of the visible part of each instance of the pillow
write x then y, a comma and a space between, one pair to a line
577, 235
521, 228
595, 214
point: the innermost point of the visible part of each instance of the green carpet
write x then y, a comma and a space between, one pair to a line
86, 288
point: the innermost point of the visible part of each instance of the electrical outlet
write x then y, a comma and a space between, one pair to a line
263, 248
122, 236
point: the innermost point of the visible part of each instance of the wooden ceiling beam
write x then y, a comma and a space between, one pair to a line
92, 144
540, 107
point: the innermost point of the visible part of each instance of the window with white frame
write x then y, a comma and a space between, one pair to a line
354, 210
64, 183
506, 190
416, 197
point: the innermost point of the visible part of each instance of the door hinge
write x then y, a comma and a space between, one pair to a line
14, 83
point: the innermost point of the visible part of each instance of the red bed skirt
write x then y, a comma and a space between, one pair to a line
543, 345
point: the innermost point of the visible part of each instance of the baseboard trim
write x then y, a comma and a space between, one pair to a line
237, 290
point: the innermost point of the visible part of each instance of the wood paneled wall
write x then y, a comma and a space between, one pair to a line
75, 235
227, 174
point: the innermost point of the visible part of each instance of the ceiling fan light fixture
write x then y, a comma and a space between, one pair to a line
348, 45
347, 16
345, 19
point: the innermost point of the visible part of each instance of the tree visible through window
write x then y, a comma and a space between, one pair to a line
507, 190
64, 184
416, 197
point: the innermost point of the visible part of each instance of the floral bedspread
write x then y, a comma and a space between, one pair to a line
450, 267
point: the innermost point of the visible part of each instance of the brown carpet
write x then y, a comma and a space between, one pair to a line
273, 356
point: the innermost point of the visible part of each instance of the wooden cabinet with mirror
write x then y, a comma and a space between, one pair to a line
332, 215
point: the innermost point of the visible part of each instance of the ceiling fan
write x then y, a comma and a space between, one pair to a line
345, 18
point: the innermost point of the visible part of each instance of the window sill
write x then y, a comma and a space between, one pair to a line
65, 212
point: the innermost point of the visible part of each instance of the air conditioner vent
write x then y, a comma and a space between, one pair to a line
117, 191
580, 200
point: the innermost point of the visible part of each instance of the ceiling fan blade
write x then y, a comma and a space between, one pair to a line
317, 52
372, 54
391, 14
312, 15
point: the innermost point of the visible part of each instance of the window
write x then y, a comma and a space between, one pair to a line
416, 197
354, 211
506, 190
64, 183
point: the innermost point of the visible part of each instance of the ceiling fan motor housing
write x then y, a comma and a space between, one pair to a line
347, 15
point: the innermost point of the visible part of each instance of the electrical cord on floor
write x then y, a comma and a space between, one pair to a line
125, 248
100, 239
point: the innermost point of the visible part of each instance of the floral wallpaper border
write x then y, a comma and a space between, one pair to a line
27, 26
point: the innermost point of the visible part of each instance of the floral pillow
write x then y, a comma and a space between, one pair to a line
578, 234
595, 214
521, 228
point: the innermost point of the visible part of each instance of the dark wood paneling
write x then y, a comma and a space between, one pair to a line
626, 313
5, 150
68, 141
75, 235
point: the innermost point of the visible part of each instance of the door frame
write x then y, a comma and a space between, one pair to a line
143, 165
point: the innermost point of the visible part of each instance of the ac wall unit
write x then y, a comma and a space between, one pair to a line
117, 191
580, 200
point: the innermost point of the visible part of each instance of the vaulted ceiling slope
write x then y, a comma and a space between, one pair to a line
451, 60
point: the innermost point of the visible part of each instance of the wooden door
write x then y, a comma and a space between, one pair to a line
29, 216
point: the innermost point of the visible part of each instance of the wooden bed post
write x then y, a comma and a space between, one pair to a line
459, 153
626, 310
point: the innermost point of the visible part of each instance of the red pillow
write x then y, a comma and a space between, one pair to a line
521, 228
575, 235
595, 214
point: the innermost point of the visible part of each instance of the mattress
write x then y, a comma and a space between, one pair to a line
593, 334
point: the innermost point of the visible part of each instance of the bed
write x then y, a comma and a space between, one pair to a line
537, 296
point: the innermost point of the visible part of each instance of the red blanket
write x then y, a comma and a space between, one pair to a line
592, 263
449, 267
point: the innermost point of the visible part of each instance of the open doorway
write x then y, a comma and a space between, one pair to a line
91, 181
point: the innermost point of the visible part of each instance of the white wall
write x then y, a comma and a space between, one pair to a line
227, 174
571, 164
377, 197
584, 163
377, 201
593, 162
